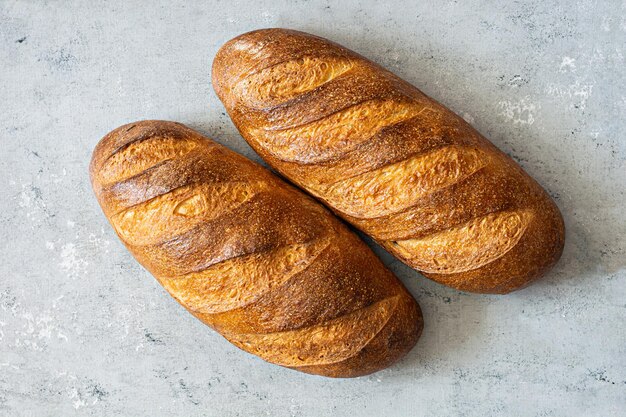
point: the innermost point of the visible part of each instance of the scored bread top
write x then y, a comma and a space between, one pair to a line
265, 265
390, 160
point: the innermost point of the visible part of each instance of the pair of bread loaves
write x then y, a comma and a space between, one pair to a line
269, 267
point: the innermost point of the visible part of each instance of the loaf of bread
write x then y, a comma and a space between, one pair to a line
254, 258
391, 161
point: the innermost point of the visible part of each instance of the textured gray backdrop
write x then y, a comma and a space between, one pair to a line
84, 330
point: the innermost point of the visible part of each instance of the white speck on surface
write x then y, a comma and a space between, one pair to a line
25, 198
78, 402
468, 118
99, 242
45, 327
32, 204
56, 300
567, 64
578, 93
71, 262
521, 111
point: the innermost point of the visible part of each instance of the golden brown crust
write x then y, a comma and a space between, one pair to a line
262, 263
390, 160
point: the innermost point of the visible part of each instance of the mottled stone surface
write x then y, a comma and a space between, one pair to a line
84, 330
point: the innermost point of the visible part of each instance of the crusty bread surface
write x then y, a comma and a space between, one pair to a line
259, 261
393, 162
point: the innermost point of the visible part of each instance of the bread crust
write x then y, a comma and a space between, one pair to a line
393, 162
259, 261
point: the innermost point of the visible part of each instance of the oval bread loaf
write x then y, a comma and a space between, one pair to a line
390, 160
257, 260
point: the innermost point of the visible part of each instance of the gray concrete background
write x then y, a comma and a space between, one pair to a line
84, 330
